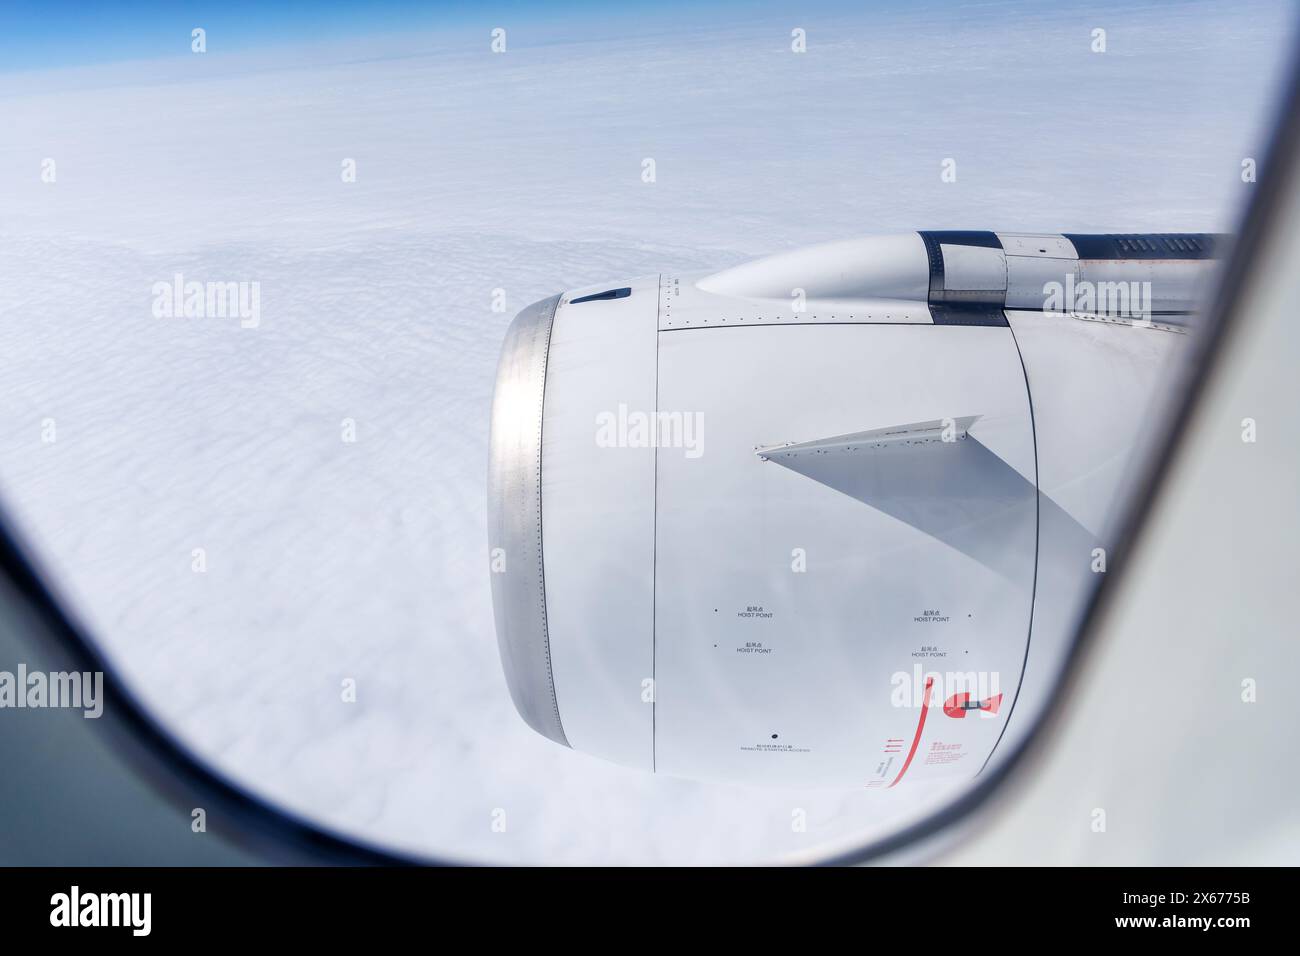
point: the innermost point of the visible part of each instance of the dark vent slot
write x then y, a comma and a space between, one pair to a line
608, 294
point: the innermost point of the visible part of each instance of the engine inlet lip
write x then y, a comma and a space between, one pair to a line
514, 510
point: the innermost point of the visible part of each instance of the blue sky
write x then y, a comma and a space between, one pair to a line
36, 34
54, 33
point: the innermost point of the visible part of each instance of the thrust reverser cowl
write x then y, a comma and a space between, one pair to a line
771, 524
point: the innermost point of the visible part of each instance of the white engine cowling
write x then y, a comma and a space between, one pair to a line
824, 518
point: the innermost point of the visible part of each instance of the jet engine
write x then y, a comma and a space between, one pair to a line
825, 518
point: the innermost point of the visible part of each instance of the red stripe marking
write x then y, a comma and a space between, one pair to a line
920, 725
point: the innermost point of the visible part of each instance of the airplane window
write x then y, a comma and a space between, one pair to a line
599, 440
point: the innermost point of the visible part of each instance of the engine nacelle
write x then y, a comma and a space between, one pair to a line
824, 518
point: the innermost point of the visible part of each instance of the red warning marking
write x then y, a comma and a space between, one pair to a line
920, 726
958, 704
